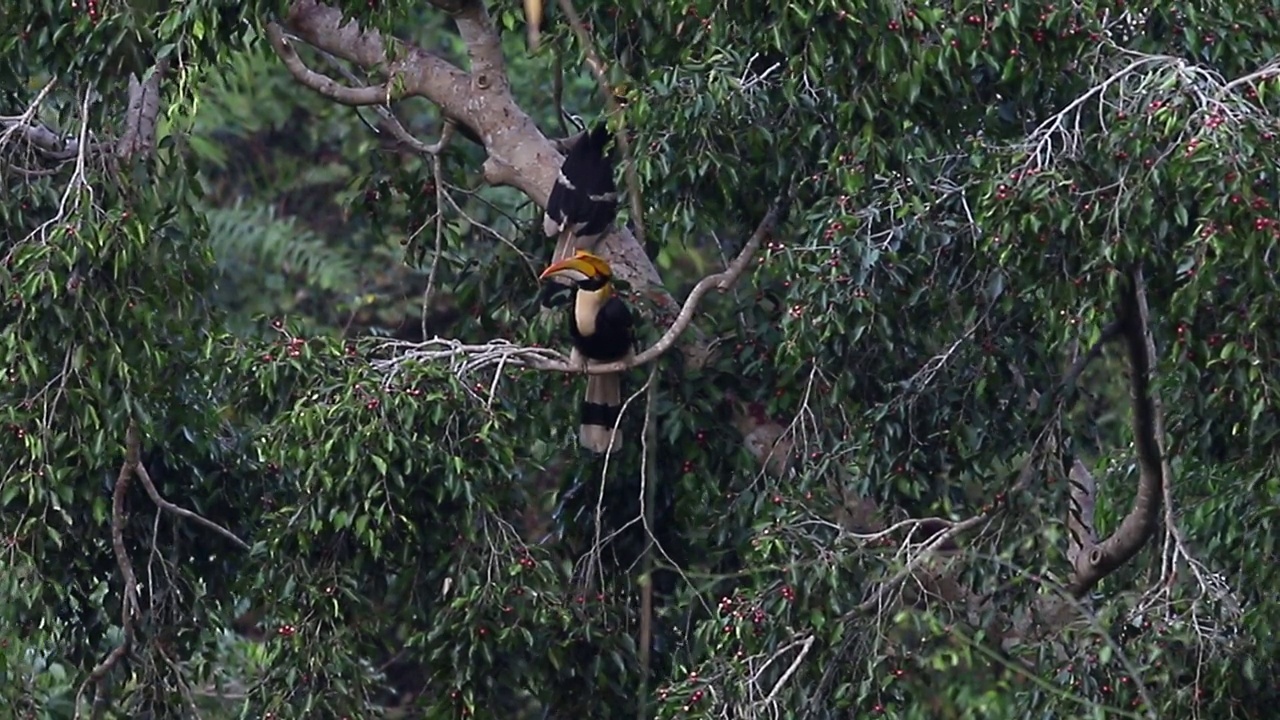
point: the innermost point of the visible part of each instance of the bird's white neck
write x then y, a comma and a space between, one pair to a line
586, 307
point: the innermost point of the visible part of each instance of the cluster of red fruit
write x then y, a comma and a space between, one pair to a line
91, 9
695, 698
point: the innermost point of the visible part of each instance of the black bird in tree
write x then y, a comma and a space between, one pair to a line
584, 200
600, 327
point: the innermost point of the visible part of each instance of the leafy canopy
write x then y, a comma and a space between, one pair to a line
973, 184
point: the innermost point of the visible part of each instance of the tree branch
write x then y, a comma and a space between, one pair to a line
519, 154
142, 114
419, 72
484, 43
321, 83
182, 512
719, 281
129, 600
1097, 561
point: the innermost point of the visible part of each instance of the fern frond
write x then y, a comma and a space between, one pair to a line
244, 236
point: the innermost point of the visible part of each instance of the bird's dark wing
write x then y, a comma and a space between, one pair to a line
584, 197
615, 313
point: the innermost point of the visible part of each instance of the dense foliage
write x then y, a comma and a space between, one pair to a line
219, 388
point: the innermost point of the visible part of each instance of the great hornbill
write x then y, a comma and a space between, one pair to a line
584, 200
601, 330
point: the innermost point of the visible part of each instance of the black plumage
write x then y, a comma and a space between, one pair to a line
584, 199
612, 339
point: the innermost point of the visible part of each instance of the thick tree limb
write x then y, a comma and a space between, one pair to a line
484, 44
1096, 562
420, 72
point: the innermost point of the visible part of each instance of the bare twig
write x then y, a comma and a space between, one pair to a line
648, 494
805, 647
182, 512
437, 173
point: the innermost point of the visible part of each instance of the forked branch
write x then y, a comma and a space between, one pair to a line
355, 96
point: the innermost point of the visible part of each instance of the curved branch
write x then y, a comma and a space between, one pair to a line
129, 600
519, 154
719, 281
418, 71
321, 83
501, 353
182, 512
1096, 562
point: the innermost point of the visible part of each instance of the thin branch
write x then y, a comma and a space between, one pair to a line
600, 70
501, 352
1268, 71
805, 647
387, 118
182, 512
437, 172
719, 281
648, 499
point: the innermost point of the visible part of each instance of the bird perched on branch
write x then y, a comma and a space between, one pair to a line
600, 327
584, 200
